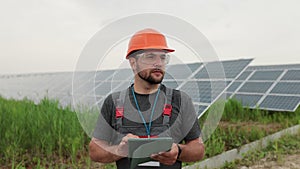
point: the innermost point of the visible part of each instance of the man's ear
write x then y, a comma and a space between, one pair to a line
132, 62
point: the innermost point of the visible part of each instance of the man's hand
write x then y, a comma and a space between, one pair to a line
101, 151
167, 158
122, 148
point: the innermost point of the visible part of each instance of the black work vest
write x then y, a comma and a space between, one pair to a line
159, 127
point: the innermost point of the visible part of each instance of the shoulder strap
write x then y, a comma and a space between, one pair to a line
168, 106
119, 112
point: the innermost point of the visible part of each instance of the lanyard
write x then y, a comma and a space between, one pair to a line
148, 128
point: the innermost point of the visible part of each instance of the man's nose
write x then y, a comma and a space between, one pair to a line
158, 61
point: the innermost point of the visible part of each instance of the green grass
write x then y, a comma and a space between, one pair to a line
240, 126
273, 152
49, 136
43, 134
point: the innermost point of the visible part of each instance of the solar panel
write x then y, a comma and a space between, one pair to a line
274, 82
203, 91
103, 89
194, 66
287, 88
83, 83
61, 85
172, 84
231, 69
91, 84
228, 95
103, 74
178, 72
248, 100
275, 67
234, 68
233, 86
122, 74
191, 88
292, 75
201, 109
285, 103
255, 87
244, 75
266, 75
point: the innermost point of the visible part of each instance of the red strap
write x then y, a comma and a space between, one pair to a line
119, 112
167, 110
147, 136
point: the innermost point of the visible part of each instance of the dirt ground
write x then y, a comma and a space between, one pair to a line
284, 162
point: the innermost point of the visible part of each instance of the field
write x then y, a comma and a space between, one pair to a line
48, 136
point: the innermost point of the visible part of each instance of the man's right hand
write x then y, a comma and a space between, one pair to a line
122, 148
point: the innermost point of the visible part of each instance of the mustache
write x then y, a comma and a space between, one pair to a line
157, 70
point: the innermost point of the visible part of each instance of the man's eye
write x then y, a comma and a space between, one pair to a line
149, 56
163, 57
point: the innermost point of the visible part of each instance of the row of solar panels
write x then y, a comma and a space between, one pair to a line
269, 87
276, 88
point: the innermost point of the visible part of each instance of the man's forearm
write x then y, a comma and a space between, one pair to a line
104, 155
192, 151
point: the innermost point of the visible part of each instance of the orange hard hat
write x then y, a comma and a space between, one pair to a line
147, 39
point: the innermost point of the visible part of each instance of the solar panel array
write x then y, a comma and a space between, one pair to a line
91, 88
268, 87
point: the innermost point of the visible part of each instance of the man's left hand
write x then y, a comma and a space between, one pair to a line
167, 158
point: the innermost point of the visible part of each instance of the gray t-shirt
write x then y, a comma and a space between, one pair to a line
183, 124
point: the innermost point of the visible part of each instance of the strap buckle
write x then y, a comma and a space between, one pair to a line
167, 110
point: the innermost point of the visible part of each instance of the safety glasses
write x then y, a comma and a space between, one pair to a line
151, 58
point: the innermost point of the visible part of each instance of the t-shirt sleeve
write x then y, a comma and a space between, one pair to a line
192, 129
104, 129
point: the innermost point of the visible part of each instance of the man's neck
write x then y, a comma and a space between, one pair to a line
143, 87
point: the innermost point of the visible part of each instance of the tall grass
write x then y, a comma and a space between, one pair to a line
235, 112
33, 133
45, 135
244, 125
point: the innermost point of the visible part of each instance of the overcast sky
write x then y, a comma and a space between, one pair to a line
49, 35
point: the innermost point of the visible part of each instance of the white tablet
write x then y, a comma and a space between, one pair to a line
140, 149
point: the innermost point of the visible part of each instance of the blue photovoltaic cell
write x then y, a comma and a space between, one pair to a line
234, 68
119, 86
178, 72
247, 99
103, 89
122, 74
231, 69
255, 87
191, 88
106, 88
201, 110
233, 86
287, 103
203, 91
172, 84
266, 75
228, 94
287, 88
291, 75
194, 66
244, 75
275, 67
85, 88
103, 74
82, 77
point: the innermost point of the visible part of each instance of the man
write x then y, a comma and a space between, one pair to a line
137, 112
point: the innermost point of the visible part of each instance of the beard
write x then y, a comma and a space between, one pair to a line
148, 77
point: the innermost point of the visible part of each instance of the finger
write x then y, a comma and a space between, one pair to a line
129, 135
164, 160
